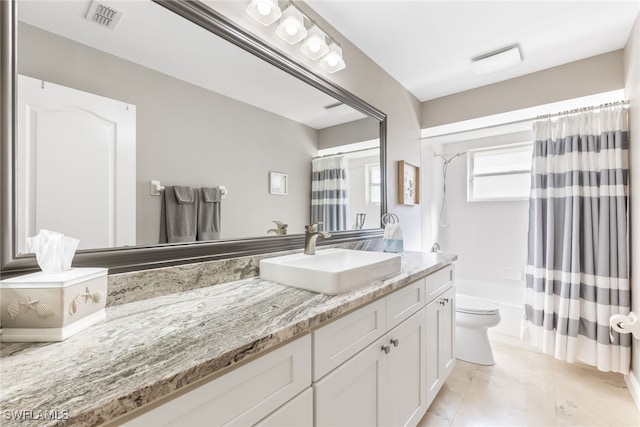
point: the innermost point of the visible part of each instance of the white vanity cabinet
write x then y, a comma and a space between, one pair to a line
390, 379
380, 365
386, 382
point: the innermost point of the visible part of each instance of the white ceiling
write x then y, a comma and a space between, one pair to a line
427, 45
156, 38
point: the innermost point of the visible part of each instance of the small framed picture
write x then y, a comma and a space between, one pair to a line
278, 183
408, 183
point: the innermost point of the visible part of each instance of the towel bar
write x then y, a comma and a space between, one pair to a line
156, 188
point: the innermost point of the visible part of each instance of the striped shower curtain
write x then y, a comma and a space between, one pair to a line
577, 266
329, 192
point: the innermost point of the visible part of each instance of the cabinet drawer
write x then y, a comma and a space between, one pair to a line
338, 341
403, 303
244, 396
439, 281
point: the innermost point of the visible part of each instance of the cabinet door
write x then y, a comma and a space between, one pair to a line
354, 393
407, 366
447, 343
298, 412
441, 354
434, 381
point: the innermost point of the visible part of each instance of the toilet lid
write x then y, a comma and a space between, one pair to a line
471, 305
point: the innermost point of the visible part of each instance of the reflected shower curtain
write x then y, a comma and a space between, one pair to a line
577, 262
329, 192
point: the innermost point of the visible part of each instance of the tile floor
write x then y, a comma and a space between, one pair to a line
526, 388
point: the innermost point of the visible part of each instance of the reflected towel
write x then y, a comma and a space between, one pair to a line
178, 215
392, 239
209, 214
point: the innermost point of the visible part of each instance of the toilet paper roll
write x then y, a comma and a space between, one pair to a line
625, 324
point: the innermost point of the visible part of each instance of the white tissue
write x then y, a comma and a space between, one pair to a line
54, 251
628, 324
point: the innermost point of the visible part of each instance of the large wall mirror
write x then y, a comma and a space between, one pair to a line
176, 95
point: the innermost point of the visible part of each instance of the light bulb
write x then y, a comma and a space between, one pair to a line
291, 27
333, 61
315, 44
264, 8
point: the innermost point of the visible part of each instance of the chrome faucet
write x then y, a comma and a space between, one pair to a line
311, 234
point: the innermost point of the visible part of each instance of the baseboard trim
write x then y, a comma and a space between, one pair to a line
634, 387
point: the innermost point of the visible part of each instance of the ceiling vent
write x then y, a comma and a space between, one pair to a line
103, 15
338, 109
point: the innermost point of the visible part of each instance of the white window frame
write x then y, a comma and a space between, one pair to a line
471, 197
370, 185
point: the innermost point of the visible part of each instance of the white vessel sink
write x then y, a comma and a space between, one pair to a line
330, 271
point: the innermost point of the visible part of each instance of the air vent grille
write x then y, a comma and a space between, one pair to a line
104, 15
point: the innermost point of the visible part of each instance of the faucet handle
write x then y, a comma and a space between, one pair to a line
313, 228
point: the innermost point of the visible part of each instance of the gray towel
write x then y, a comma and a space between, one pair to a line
209, 214
184, 194
178, 215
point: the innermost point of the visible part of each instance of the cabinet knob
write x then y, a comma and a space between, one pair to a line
395, 342
442, 302
386, 349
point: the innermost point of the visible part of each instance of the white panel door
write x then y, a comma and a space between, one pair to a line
75, 165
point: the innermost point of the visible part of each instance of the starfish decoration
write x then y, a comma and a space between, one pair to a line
31, 304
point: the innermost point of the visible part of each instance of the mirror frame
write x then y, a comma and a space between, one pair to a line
120, 260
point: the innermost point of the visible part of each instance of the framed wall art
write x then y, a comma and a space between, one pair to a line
408, 183
278, 183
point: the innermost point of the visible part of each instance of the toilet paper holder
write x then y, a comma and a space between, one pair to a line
626, 324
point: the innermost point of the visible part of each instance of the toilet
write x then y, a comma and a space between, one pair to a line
473, 317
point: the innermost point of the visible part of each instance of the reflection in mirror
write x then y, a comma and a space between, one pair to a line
102, 112
345, 187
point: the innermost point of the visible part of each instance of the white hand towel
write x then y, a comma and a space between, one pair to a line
393, 238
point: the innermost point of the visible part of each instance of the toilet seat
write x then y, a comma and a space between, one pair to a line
471, 305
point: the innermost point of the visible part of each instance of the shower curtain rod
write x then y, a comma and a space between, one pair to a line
342, 153
531, 119
583, 109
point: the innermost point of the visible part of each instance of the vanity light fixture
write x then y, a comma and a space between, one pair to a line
291, 27
265, 12
496, 61
315, 45
333, 61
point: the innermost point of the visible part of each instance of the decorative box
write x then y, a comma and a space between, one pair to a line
42, 306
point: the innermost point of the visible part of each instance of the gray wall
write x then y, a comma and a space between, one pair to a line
589, 76
359, 131
188, 136
632, 86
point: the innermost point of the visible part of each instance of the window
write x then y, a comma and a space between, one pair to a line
500, 173
373, 183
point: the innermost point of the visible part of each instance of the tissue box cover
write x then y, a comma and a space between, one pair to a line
42, 306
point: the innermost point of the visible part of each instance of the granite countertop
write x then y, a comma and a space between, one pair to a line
145, 350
